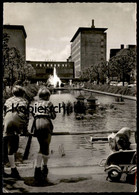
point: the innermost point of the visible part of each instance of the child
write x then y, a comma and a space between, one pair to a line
15, 123
43, 130
120, 140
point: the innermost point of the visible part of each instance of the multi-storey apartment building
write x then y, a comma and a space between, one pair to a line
88, 47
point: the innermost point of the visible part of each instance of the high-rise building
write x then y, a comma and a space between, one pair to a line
88, 47
17, 38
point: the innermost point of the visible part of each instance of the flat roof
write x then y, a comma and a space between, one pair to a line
52, 62
87, 29
18, 27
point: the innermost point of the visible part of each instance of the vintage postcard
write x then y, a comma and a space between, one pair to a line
69, 97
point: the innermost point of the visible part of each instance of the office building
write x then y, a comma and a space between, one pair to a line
88, 47
17, 38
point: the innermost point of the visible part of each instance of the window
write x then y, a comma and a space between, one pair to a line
102, 37
49, 71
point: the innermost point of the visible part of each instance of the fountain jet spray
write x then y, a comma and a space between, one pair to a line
54, 79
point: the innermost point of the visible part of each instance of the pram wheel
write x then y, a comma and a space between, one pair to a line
114, 175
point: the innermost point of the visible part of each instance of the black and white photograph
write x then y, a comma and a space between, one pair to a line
69, 97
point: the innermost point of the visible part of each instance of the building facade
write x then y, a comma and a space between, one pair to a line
64, 70
17, 38
88, 47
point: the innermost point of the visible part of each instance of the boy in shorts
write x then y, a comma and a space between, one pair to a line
43, 131
15, 122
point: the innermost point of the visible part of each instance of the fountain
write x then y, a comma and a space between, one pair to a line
54, 79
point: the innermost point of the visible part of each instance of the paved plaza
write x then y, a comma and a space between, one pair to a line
78, 170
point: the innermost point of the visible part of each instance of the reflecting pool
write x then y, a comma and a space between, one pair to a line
112, 119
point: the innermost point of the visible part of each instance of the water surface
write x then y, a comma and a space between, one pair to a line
108, 120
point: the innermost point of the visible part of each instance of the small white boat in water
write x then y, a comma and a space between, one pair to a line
92, 139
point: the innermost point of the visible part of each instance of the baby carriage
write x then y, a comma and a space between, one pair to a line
123, 162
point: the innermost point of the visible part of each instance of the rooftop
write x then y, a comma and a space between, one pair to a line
81, 29
17, 27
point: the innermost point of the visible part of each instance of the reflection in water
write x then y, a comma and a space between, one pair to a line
110, 120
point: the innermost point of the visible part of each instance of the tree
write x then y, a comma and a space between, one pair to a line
14, 64
86, 75
123, 65
103, 71
97, 72
29, 71
5, 48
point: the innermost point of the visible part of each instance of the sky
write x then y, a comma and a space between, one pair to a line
51, 26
